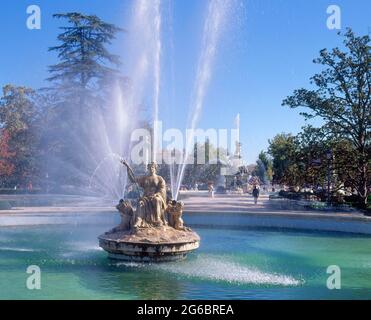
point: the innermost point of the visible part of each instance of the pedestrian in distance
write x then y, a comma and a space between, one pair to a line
255, 194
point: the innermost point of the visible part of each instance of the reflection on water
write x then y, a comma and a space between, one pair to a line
233, 264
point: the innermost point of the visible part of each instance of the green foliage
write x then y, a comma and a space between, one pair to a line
264, 168
18, 117
283, 148
83, 55
84, 69
208, 171
77, 96
49, 132
17, 108
6, 165
342, 99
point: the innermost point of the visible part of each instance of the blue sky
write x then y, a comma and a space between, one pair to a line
265, 53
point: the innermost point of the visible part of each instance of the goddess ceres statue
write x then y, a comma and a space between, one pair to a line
151, 206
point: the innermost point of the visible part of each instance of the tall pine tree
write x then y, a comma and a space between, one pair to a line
79, 82
85, 63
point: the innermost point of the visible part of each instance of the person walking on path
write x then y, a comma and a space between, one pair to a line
211, 190
255, 194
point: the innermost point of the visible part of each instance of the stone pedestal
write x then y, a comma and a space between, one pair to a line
154, 244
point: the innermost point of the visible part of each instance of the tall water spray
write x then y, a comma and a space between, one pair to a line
157, 74
144, 71
142, 61
145, 43
217, 14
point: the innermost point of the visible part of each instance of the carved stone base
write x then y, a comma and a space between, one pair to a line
155, 244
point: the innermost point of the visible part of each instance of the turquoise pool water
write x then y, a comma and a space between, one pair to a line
230, 264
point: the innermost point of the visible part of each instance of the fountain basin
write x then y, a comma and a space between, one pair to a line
159, 244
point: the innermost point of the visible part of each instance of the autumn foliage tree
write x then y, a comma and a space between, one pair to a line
18, 118
6, 165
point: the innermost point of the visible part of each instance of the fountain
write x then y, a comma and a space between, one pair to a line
152, 232
152, 228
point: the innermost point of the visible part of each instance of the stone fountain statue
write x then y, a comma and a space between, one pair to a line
152, 205
154, 230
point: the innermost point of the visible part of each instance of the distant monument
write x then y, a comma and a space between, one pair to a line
154, 230
234, 166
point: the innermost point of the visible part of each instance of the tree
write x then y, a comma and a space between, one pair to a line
283, 149
342, 99
6, 166
208, 171
312, 146
79, 82
263, 169
18, 116
84, 65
